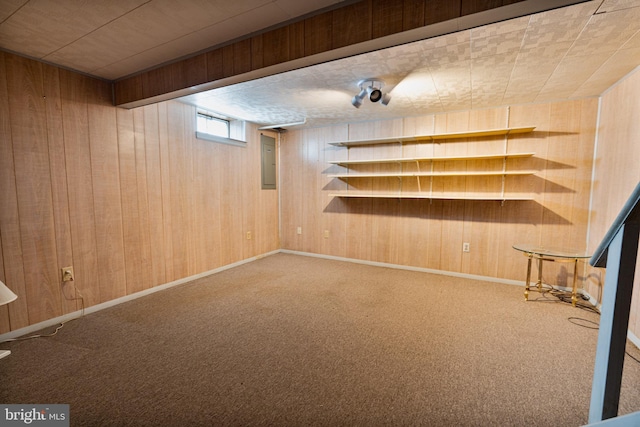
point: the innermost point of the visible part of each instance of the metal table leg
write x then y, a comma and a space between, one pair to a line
526, 287
574, 292
539, 283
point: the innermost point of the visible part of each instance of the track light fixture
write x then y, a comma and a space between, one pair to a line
372, 88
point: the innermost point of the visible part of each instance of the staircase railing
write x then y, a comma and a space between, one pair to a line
618, 252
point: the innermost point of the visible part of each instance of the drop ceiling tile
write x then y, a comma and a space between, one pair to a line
605, 32
614, 69
79, 55
613, 5
140, 30
505, 44
220, 32
522, 90
633, 42
565, 15
8, 7
445, 56
400, 59
534, 70
198, 14
294, 8
500, 28
155, 55
489, 80
460, 37
453, 86
418, 85
42, 27
570, 74
539, 36
551, 51
259, 18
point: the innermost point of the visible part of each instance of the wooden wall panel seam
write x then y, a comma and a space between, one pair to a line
108, 186
14, 275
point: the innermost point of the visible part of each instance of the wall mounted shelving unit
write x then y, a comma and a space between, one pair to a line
428, 171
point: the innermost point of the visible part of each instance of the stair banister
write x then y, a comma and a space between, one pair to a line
618, 252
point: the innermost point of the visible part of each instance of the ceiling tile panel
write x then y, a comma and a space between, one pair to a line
613, 5
566, 16
503, 44
224, 30
489, 79
500, 28
445, 56
138, 31
503, 64
606, 32
42, 27
614, 69
522, 90
570, 74
259, 18
460, 37
155, 55
294, 8
453, 86
198, 14
8, 7
551, 35
633, 42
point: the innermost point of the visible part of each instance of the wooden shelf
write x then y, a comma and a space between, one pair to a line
434, 137
430, 159
430, 174
426, 195
426, 191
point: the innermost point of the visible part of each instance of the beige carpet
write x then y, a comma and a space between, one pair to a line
290, 340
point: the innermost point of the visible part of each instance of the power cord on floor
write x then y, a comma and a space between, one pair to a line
78, 297
575, 321
560, 296
565, 297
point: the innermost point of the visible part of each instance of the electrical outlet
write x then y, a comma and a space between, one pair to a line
67, 274
326, 234
299, 230
465, 247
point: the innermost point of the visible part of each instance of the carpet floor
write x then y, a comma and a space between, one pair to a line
291, 340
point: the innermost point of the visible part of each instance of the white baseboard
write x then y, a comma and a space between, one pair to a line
410, 268
633, 338
70, 316
61, 319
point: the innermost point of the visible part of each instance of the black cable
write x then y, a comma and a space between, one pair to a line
564, 296
575, 320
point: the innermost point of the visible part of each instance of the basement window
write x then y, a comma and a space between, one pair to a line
216, 128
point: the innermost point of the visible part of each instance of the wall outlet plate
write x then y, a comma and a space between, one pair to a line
67, 274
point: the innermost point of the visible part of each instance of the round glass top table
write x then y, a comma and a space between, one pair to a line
542, 253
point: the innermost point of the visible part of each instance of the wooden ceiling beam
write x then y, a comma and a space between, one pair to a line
350, 29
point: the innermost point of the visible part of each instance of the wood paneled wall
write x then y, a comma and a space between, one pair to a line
129, 198
320, 33
428, 234
617, 172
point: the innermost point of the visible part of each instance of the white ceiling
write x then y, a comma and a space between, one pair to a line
572, 52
